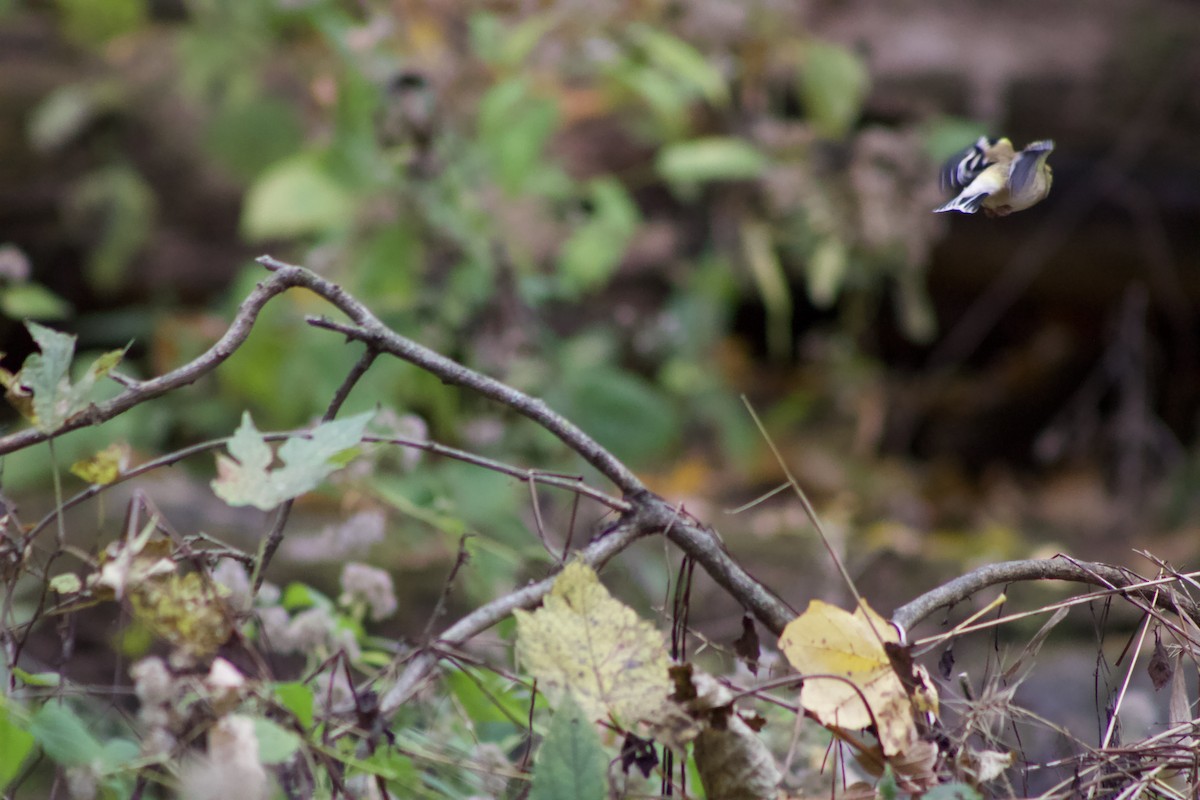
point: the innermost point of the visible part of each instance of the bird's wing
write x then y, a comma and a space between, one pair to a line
965, 165
1025, 167
972, 197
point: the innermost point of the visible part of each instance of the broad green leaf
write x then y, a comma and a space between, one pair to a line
827, 271
37, 678
118, 754
622, 411
45, 376
245, 477
296, 197
67, 111
518, 42
715, 158
834, 83
571, 763
251, 133
15, 744
664, 97
276, 744
32, 301
597, 247
514, 126
298, 595
297, 698
390, 765
682, 61
64, 736
94, 23
490, 701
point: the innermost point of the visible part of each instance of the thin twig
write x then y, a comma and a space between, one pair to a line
420, 665
275, 536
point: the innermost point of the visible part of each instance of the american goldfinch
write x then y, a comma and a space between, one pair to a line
992, 176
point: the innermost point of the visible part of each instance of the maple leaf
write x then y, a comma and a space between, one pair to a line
245, 476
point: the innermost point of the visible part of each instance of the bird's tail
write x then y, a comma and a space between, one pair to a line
967, 205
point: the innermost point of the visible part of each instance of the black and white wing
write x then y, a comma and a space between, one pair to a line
966, 165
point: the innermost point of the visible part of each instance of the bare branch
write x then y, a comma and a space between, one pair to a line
419, 667
1058, 568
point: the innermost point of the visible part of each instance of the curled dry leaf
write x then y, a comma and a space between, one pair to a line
982, 766
734, 763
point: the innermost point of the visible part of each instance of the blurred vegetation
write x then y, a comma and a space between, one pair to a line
497, 183
623, 209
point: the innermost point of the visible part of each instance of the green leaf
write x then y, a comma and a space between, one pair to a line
253, 132
32, 301
390, 765
296, 197
490, 701
69, 110
597, 247
715, 158
118, 754
15, 744
297, 698
834, 84
624, 412
44, 375
520, 40
276, 744
37, 678
514, 126
298, 595
682, 61
827, 271
571, 762
91, 22
247, 480
64, 737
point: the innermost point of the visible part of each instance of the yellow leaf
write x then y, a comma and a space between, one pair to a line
825, 640
585, 642
104, 467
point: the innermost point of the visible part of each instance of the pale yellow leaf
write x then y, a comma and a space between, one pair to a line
585, 642
826, 640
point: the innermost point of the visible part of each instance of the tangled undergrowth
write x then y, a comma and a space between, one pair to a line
221, 684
